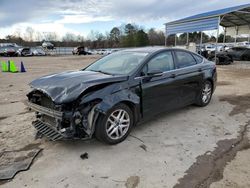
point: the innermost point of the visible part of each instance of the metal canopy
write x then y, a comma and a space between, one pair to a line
192, 26
228, 17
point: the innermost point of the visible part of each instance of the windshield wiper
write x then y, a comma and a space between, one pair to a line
101, 72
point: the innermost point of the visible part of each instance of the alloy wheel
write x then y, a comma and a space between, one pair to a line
117, 124
206, 93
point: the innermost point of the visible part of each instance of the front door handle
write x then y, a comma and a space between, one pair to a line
173, 76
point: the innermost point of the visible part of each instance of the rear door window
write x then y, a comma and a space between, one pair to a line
184, 59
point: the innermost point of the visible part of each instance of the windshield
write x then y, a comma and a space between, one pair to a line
122, 62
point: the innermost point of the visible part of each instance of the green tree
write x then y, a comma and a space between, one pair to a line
115, 36
141, 38
130, 29
129, 39
156, 37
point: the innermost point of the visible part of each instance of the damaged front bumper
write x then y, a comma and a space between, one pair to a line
57, 125
47, 111
47, 130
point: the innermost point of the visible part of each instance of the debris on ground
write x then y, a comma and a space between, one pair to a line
136, 138
84, 156
144, 147
104, 177
38, 135
12, 162
132, 182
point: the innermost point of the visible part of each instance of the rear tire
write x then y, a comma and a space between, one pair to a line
115, 126
228, 61
205, 94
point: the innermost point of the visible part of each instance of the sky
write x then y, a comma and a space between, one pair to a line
81, 16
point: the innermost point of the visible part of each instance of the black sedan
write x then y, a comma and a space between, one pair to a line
239, 53
233, 54
113, 94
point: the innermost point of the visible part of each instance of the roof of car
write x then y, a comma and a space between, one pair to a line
146, 49
153, 49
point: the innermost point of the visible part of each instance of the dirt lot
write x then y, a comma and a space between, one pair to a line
191, 147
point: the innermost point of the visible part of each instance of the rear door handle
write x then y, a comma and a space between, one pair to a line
200, 69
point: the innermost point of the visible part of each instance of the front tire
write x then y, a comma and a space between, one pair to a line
205, 94
217, 60
115, 126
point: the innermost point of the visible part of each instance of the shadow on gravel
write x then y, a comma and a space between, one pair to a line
209, 167
223, 83
241, 103
3, 117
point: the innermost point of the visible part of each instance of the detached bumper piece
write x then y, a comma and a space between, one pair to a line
47, 130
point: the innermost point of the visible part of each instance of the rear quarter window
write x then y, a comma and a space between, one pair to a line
198, 58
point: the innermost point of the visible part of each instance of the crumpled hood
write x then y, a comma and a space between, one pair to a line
67, 86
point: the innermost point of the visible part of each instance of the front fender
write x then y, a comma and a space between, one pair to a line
111, 100
111, 95
104, 99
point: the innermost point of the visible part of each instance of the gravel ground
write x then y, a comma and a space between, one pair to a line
190, 147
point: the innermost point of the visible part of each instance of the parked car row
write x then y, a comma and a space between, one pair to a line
225, 53
7, 52
106, 51
10, 51
81, 50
